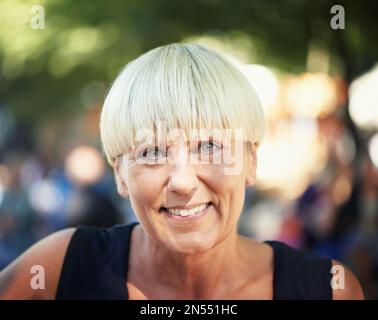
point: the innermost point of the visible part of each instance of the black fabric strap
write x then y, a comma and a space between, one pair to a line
300, 275
95, 264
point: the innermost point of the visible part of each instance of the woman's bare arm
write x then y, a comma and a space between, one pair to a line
35, 274
347, 287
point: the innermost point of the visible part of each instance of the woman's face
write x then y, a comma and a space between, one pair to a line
184, 205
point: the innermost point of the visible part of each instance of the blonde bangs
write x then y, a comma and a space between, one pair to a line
185, 87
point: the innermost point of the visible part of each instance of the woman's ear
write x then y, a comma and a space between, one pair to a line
252, 161
120, 181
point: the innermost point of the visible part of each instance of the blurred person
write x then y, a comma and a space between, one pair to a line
328, 208
86, 206
363, 253
88, 202
18, 220
185, 244
368, 197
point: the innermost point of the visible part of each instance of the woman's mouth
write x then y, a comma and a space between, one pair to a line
186, 214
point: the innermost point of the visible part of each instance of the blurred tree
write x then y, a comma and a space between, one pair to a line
43, 72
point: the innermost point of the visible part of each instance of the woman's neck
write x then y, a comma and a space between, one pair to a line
206, 275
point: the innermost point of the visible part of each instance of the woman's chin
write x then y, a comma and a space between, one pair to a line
191, 245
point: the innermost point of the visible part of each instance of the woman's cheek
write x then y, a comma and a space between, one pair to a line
145, 185
220, 181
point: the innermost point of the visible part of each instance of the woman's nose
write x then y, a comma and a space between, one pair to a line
183, 179
182, 175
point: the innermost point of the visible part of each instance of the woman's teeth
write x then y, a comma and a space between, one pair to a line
189, 212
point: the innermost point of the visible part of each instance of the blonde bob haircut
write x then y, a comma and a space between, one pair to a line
186, 86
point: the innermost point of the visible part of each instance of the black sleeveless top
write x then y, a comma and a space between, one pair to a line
96, 262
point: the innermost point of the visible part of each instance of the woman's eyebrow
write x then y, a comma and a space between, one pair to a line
188, 142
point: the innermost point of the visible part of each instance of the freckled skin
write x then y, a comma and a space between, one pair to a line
200, 257
151, 186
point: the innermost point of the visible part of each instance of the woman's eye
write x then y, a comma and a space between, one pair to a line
208, 147
152, 153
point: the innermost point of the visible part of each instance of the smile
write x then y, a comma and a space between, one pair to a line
183, 212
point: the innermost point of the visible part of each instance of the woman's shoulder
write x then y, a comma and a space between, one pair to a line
301, 274
294, 258
35, 274
49, 259
346, 286
100, 240
95, 263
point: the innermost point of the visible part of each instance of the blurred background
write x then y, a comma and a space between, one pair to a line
317, 183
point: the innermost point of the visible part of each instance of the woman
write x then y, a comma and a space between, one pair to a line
180, 126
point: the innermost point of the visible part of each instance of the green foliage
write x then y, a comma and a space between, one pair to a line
43, 72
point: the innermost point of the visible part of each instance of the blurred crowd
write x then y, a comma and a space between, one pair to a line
317, 172
38, 196
317, 185
336, 215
